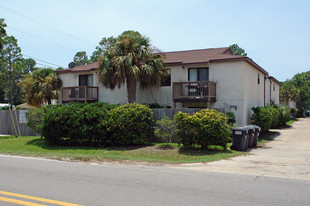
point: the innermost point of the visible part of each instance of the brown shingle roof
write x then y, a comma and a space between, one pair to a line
84, 68
275, 80
191, 57
197, 56
205, 56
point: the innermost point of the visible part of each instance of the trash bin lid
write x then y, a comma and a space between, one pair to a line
239, 129
255, 126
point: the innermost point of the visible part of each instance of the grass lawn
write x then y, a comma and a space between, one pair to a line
157, 152
289, 123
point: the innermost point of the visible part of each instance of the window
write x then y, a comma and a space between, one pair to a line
258, 78
167, 80
198, 74
274, 87
86, 80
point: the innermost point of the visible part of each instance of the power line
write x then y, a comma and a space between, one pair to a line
41, 60
45, 65
33, 36
46, 26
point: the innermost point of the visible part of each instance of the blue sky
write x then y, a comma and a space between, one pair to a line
275, 34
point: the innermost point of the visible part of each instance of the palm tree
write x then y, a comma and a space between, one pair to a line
41, 86
130, 61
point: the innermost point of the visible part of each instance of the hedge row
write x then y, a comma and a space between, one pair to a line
270, 117
103, 124
96, 124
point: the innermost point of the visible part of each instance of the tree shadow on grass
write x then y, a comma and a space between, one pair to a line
213, 150
166, 146
44, 145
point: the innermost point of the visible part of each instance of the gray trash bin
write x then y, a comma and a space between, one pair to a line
240, 138
256, 135
251, 139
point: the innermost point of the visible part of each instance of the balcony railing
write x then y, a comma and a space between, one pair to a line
79, 94
200, 91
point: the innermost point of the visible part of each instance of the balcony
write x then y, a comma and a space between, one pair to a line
79, 94
200, 91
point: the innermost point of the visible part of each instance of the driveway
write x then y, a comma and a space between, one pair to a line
287, 156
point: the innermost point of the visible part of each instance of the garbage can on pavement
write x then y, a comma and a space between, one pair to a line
251, 140
240, 138
256, 135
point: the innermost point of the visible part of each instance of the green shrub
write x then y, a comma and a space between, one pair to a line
301, 113
130, 124
187, 129
293, 113
165, 129
284, 115
204, 128
76, 124
262, 117
155, 105
270, 117
275, 117
35, 118
231, 118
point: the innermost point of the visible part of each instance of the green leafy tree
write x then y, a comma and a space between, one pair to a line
29, 65
11, 69
104, 45
288, 92
129, 61
302, 82
2, 32
236, 50
165, 129
41, 86
80, 58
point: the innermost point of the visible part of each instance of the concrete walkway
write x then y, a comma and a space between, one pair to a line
287, 156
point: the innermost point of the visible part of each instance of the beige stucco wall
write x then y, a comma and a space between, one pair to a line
253, 92
237, 89
275, 94
162, 95
267, 91
270, 94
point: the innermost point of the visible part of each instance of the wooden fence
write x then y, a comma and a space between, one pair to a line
6, 124
159, 113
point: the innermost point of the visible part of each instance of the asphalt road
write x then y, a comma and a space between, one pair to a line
112, 184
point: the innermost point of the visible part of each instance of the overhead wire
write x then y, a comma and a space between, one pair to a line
50, 42
47, 26
41, 60
33, 36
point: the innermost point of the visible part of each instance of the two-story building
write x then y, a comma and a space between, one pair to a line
206, 78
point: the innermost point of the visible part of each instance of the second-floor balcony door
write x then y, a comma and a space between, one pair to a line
198, 74
85, 80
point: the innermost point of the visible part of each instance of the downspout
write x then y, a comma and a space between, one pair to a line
270, 93
265, 90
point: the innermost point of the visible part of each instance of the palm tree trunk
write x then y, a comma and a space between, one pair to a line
131, 90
